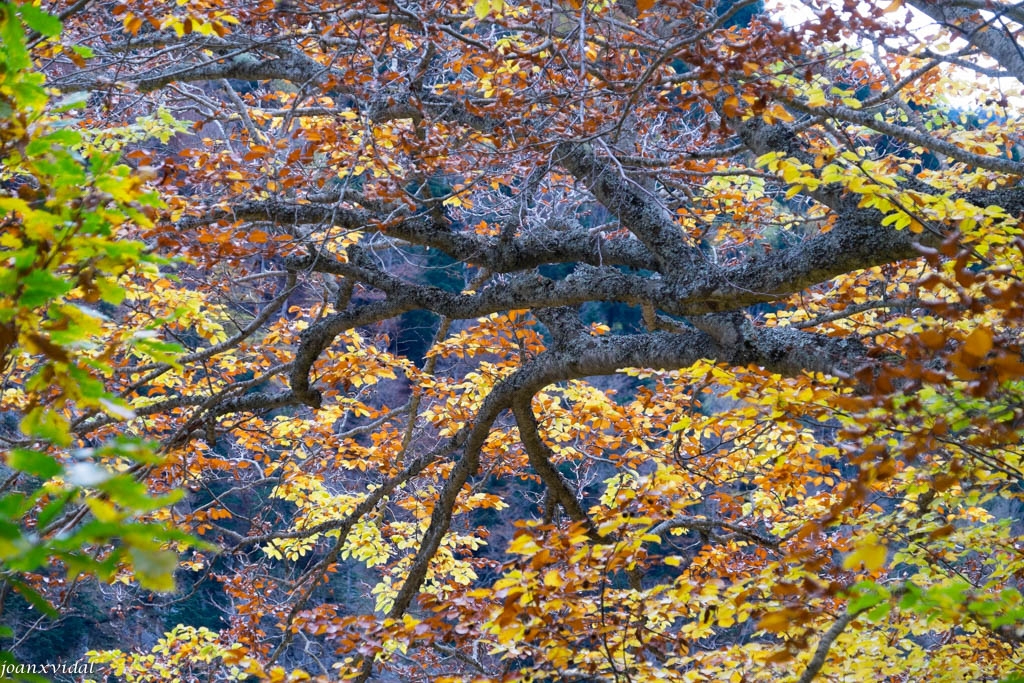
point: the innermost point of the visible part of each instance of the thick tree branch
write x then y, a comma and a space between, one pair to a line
533, 249
540, 457
966, 21
637, 208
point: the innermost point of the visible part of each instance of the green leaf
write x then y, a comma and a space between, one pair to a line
87, 386
159, 351
124, 490
154, 569
77, 565
9, 531
12, 505
14, 54
33, 462
866, 594
911, 597
64, 170
29, 93
110, 291
878, 612
83, 51
39, 21
53, 508
48, 425
31, 558
33, 597
44, 143
41, 287
133, 449
92, 531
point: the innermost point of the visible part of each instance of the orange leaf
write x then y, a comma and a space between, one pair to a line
731, 106
933, 339
775, 622
979, 343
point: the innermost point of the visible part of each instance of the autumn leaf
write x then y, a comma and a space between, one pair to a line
871, 553
512, 340
978, 343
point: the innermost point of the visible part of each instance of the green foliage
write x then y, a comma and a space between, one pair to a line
948, 601
63, 213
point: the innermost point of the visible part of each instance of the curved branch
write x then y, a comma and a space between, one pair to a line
574, 244
825, 644
540, 457
911, 136
965, 19
709, 525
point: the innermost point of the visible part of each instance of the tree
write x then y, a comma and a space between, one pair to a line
797, 455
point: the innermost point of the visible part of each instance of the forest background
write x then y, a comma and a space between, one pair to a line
512, 340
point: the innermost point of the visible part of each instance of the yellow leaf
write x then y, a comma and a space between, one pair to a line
611, 526
523, 545
816, 98
553, 579
790, 172
871, 554
104, 510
